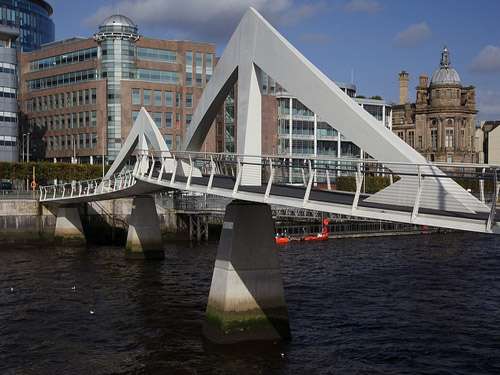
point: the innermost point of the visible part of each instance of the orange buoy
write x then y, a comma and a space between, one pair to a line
282, 240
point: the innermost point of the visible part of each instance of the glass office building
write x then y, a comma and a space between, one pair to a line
32, 20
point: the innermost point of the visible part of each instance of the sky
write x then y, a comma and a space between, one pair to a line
367, 42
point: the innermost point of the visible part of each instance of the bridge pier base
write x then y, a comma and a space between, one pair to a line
69, 227
144, 234
246, 300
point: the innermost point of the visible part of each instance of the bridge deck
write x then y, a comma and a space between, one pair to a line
317, 195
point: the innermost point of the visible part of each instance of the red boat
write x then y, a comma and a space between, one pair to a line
323, 236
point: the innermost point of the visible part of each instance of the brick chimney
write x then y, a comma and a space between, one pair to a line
404, 79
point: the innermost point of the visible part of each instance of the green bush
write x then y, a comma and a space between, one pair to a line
372, 183
45, 172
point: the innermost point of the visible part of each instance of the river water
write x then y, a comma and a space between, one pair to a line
391, 305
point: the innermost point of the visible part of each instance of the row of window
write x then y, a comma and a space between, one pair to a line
6, 140
156, 54
62, 100
8, 92
157, 76
64, 59
165, 119
159, 98
62, 80
7, 68
449, 138
67, 121
8, 117
72, 142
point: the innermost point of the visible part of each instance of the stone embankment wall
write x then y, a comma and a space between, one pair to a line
28, 220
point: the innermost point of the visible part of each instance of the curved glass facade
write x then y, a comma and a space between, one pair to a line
32, 18
116, 38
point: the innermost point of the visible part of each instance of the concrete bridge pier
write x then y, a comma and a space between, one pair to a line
144, 234
246, 300
69, 227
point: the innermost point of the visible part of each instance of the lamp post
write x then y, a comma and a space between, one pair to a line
26, 148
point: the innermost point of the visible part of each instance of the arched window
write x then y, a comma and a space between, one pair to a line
450, 122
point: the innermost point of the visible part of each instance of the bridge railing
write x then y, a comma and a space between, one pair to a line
422, 186
78, 189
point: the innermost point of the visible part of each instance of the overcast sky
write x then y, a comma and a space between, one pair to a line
369, 41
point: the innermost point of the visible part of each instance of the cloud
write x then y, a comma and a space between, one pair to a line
315, 38
362, 6
413, 35
487, 61
205, 20
488, 104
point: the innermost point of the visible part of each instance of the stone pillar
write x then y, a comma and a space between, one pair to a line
69, 227
246, 300
144, 234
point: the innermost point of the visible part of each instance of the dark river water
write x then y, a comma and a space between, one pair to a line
395, 305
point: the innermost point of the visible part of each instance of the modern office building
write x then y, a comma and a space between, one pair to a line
31, 18
441, 123
85, 93
290, 128
24, 26
8, 95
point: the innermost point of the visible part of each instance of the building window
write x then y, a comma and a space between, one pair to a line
208, 66
420, 144
189, 100
136, 96
189, 61
157, 98
178, 99
449, 158
67, 58
157, 118
178, 142
188, 118
156, 54
169, 99
147, 97
168, 140
135, 114
189, 79
411, 138
199, 80
434, 139
93, 96
61, 80
449, 137
93, 119
401, 135
158, 76
168, 119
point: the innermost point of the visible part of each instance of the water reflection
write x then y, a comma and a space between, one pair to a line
414, 304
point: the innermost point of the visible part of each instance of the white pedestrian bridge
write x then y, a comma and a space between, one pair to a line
246, 285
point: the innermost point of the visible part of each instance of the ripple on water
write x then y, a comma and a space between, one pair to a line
395, 305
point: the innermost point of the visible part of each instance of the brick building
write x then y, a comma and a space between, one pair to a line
79, 97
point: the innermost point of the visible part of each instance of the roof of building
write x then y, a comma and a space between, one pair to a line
45, 5
445, 75
118, 20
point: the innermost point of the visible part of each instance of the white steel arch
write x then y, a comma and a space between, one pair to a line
256, 44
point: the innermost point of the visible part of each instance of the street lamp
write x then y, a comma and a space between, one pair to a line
26, 149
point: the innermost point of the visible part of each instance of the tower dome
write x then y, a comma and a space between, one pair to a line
445, 75
117, 26
118, 20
